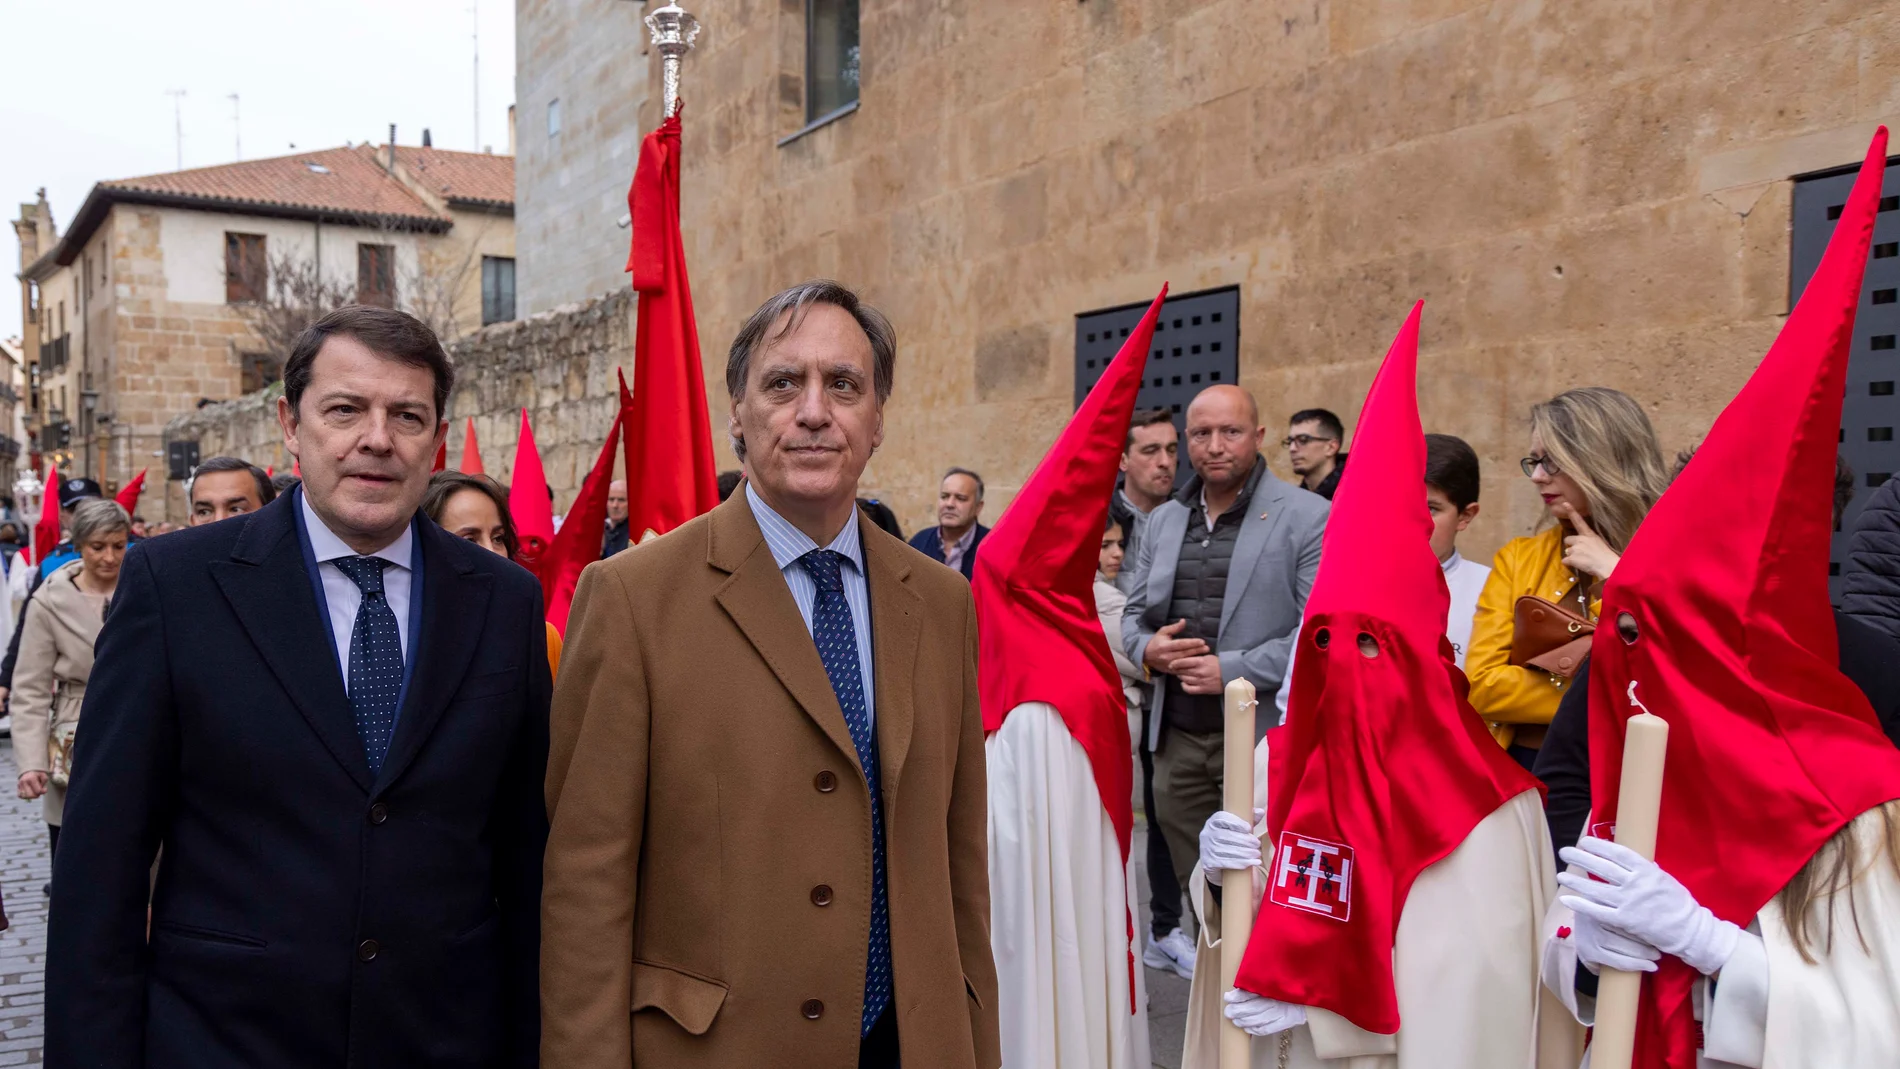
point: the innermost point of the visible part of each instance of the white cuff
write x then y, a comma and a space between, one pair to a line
1737, 1027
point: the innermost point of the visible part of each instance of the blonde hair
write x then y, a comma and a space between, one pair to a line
1603, 441
1835, 868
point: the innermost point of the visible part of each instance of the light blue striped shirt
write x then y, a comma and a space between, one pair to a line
788, 543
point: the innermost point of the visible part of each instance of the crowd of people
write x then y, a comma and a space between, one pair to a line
326, 787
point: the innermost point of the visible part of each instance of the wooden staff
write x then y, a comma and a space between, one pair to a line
1638, 805
1236, 899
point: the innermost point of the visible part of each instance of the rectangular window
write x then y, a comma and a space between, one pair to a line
244, 270
831, 57
258, 370
376, 275
498, 289
554, 118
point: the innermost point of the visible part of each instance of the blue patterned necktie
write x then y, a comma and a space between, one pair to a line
837, 639
375, 659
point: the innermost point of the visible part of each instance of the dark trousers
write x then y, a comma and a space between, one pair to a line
1164, 891
1189, 770
52, 841
878, 1048
1523, 755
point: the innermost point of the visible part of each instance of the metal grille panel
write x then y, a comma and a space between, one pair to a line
1871, 410
1196, 345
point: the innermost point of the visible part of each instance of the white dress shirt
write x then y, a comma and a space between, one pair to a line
788, 543
342, 593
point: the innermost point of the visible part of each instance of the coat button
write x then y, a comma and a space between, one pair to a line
366, 950
812, 1009
821, 895
825, 781
378, 813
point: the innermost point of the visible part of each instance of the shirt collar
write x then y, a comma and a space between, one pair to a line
964, 542
1451, 563
326, 546
788, 543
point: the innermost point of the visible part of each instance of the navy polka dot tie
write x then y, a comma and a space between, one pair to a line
375, 659
837, 640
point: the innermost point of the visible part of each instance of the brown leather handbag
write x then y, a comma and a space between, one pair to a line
1551, 637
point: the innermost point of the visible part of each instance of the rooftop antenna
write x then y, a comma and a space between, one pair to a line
178, 122
237, 132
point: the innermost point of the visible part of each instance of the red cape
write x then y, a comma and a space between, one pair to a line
1771, 749
1038, 636
1382, 767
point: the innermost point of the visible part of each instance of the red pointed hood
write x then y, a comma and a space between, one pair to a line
128, 497
1382, 767
529, 503
1771, 749
1039, 638
471, 451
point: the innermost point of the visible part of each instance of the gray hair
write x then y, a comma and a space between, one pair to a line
756, 332
974, 477
97, 516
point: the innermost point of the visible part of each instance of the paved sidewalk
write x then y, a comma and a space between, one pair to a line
24, 869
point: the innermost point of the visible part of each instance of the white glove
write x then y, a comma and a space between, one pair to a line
1258, 1015
1599, 948
1640, 900
1228, 842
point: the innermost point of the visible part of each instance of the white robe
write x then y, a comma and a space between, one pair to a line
1464, 964
1059, 905
1772, 1010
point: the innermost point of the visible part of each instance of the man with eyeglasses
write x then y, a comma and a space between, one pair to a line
1222, 575
1312, 442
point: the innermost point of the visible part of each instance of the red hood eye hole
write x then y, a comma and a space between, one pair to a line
1322, 638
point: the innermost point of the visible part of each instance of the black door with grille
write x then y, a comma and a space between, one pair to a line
1872, 408
1196, 345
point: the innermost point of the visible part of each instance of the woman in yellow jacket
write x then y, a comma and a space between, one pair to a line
1595, 460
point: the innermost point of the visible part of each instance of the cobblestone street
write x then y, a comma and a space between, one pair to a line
24, 870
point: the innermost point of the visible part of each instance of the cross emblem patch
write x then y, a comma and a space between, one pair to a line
1314, 875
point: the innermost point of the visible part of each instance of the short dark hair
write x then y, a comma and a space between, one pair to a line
728, 482
1843, 488
446, 484
974, 477
1326, 420
1451, 467
752, 335
1146, 417
881, 515
386, 332
283, 481
266, 490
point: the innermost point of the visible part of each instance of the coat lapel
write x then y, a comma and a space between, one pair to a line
454, 610
1167, 529
896, 629
269, 590
760, 603
1256, 528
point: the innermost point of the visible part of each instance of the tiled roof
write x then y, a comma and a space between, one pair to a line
478, 177
344, 181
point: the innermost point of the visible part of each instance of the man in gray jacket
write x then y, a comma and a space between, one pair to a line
1220, 585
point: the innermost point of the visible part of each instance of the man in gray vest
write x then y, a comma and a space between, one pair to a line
1220, 583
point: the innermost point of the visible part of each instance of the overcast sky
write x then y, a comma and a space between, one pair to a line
83, 88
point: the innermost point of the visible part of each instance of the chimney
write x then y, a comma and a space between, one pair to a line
511, 129
390, 166
426, 143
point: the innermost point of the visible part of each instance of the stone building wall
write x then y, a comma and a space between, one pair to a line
558, 365
571, 187
1582, 194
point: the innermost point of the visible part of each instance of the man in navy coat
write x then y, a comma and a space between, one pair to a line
957, 535
332, 717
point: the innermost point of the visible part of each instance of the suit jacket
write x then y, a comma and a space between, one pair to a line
929, 542
708, 895
1276, 555
305, 912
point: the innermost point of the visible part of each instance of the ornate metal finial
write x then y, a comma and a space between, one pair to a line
673, 31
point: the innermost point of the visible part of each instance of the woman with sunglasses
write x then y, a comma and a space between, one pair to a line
1594, 459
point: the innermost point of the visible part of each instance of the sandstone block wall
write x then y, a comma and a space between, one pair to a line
559, 366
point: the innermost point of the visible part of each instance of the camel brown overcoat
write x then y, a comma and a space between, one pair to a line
707, 891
